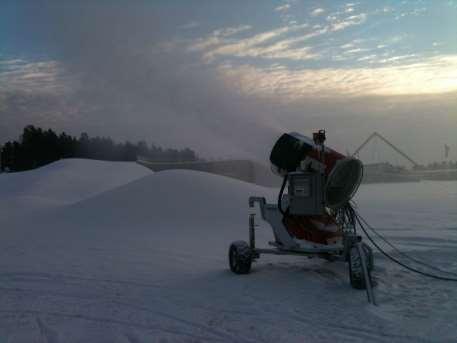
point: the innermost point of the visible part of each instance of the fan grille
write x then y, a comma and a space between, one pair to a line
343, 181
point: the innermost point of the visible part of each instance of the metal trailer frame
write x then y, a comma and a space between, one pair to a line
286, 245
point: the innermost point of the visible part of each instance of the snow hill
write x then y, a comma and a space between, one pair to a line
109, 252
70, 180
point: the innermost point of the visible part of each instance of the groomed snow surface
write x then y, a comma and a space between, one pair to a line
96, 251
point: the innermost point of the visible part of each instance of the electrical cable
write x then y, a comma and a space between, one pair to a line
425, 264
393, 259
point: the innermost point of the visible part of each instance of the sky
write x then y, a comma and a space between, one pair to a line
226, 78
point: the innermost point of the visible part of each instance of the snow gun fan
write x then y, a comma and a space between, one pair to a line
313, 218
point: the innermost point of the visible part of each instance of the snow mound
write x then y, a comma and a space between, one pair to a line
144, 259
68, 181
174, 197
183, 210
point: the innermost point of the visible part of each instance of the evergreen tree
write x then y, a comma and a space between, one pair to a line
37, 147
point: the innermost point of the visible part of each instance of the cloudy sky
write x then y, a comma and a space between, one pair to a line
227, 77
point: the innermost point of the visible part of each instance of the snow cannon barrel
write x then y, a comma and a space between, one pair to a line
343, 174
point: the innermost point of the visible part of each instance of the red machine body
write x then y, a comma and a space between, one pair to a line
295, 152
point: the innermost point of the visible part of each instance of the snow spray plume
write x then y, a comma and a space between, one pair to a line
133, 85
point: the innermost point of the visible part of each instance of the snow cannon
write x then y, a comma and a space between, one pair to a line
342, 175
312, 216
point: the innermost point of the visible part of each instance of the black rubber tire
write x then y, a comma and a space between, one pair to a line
240, 257
356, 269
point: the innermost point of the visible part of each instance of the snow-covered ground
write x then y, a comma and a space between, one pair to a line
109, 252
64, 182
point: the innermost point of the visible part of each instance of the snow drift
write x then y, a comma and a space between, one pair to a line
70, 180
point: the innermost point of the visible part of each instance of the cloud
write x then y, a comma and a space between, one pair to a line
396, 58
190, 25
367, 58
34, 77
316, 12
347, 46
340, 24
256, 45
349, 7
141, 81
415, 12
354, 51
280, 49
11, 63
433, 75
217, 37
230, 31
277, 43
282, 8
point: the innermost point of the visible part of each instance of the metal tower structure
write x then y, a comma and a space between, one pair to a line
397, 150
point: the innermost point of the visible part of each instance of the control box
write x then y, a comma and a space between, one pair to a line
306, 193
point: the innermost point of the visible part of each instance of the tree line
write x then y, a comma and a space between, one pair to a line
37, 147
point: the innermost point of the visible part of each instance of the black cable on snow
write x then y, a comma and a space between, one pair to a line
425, 264
393, 259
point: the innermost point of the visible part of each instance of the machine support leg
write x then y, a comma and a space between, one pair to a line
251, 231
366, 275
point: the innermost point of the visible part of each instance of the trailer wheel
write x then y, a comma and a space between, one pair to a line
356, 269
240, 257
